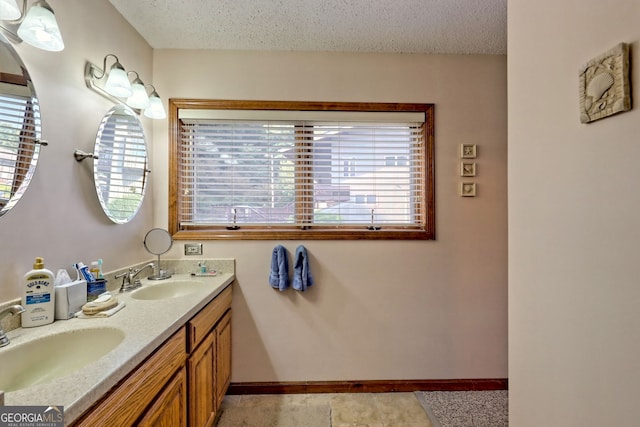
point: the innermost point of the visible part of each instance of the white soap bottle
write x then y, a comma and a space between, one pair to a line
38, 297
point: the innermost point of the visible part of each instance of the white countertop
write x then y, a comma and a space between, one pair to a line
146, 324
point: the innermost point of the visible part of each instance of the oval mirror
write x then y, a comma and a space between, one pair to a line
158, 241
19, 127
120, 169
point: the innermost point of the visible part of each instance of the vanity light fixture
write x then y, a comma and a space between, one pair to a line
155, 109
139, 99
114, 89
38, 27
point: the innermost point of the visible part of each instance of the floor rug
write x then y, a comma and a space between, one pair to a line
273, 416
466, 408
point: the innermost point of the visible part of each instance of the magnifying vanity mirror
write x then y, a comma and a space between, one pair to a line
120, 165
158, 241
19, 127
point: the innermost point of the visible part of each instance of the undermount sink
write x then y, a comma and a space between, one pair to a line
46, 358
170, 289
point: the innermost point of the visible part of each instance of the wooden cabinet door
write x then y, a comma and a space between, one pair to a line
223, 357
129, 400
201, 383
170, 407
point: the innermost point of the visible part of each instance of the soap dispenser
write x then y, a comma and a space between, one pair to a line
38, 297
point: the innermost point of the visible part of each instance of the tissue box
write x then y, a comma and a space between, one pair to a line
70, 298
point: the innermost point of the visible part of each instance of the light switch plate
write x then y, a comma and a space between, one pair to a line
193, 248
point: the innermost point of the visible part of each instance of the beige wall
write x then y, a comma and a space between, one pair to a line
573, 221
59, 216
379, 310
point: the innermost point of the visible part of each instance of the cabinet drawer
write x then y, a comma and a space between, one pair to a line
127, 401
200, 325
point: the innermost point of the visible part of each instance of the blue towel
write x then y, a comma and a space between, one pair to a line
279, 275
302, 278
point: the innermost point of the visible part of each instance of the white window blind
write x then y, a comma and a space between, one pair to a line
264, 170
19, 146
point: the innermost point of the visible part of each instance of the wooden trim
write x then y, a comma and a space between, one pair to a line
424, 231
370, 386
14, 79
312, 234
430, 172
227, 104
174, 137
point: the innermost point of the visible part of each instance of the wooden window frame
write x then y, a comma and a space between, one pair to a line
427, 205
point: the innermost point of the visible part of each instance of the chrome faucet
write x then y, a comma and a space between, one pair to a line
13, 309
129, 278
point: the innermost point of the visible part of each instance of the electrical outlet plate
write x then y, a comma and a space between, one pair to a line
193, 248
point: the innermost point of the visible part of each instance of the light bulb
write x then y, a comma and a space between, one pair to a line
139, 98
155, 109
118, 82
40, 28
9, 10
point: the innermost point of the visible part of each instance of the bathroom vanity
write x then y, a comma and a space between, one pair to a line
170, 363
182, 383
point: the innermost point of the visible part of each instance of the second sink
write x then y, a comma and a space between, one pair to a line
170, 289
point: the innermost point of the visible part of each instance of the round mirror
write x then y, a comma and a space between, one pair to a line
158, 241
120, 169
19, 127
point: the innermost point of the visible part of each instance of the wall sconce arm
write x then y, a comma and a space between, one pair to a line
81, 155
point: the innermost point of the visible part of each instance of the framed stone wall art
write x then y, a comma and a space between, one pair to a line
604, 85
468, 189
468, 151
467, 169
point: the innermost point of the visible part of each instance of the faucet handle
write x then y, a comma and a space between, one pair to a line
126, 279
13, 309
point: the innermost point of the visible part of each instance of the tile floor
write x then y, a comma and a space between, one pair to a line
347, 409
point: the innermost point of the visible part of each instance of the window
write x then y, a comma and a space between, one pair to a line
295, 170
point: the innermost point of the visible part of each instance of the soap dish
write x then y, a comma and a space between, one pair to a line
97, 306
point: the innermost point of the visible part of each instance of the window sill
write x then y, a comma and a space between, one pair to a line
315, 234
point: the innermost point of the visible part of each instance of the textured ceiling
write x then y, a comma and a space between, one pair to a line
404, 26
